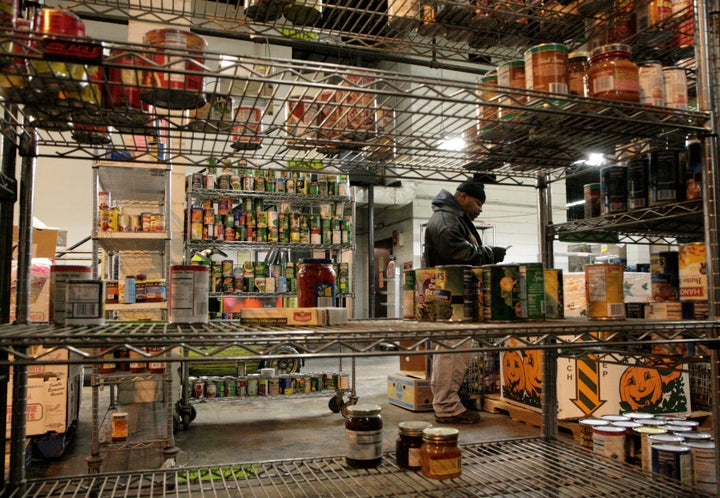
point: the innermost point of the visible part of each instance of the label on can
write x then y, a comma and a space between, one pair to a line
454, 298
500, 293
692, 266
425, 294
59, 276
554, 299
637, 182
531, 286
613, 189
408, 293
604, 291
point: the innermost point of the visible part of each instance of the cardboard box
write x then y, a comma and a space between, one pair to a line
412, 392
664, 311
38, 403
293, 316
44, 242
416, 362
591, 388
39, 290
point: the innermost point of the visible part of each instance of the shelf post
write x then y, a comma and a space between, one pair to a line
549, 393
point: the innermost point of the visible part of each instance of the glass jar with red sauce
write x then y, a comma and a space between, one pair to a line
316, 283
613, 75
441, 457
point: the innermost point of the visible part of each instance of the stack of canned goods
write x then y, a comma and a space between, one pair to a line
250, 221
266, 384
258, 180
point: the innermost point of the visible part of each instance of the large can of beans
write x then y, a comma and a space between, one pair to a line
546, 68
501, 295
454, 297
604, 291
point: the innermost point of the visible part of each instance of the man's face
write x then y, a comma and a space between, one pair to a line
471, 205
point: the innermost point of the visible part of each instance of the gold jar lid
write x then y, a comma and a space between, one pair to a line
413, 428
440, 434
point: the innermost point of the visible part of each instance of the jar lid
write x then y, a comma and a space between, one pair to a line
666, 438
705, 445
363, 409
615, 418
628, 424
546, 47
696, 436
413, 428
440, 434
648, 429
638, 415
315, 261
594, 421
612, 47
671, 448
578, 54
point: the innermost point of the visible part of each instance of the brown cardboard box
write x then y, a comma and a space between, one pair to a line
412, 392
44, 242
416, 362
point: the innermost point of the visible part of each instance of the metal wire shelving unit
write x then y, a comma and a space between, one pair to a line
543, 135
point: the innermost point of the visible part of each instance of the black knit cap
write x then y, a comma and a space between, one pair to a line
474, 188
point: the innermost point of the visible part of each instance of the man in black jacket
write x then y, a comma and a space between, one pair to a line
452, 239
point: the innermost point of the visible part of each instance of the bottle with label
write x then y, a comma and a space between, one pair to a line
408, 444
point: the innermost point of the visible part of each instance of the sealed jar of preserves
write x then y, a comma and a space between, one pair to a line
441, 457
578, 67
316, 283
363, 436
613, 74
408, 444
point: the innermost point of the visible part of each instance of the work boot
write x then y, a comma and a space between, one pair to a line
466, 417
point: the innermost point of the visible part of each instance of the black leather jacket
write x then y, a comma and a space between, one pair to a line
451, 237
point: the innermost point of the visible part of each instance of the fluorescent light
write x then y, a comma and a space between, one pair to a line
452, 143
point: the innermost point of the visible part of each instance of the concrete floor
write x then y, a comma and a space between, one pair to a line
258, 429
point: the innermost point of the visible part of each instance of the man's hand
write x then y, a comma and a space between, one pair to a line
499, 254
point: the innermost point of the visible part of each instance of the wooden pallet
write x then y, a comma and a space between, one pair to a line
492, 403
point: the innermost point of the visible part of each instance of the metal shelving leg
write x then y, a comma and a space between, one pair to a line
549, 394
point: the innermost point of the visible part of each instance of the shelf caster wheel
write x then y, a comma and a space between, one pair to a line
288, 365
186, 414
336, 404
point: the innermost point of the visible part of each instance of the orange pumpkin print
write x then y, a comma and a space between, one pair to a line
513, 373
641, 387
532, 366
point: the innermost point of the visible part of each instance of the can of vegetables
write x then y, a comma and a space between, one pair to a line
316, 283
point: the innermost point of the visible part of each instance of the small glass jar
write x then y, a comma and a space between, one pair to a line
408, 444
613, 74
578, 66
316, 283
441, 457
363, 436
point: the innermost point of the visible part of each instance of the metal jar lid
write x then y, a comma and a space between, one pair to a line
440, 434
363, 410
413, 428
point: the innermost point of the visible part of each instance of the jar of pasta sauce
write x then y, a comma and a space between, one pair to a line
613, 74
316, 283
440, 455
363, 436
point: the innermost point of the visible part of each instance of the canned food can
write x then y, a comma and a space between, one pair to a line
664, 276
664, 177
60, 275
188, 294
692, 266
604, 291
676, 87
479, 300
613, 189
408, 293
454, 296
652, 85
672, 461
554, 297
531, 287
546, 68
637, 182
85, 302
609, 441
501, 296
593, 200
425, 294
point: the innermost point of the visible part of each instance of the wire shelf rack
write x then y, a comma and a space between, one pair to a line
523, 467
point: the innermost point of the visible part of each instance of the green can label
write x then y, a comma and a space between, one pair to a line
531, 285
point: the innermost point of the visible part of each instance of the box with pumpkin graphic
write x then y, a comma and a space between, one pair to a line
588, 387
